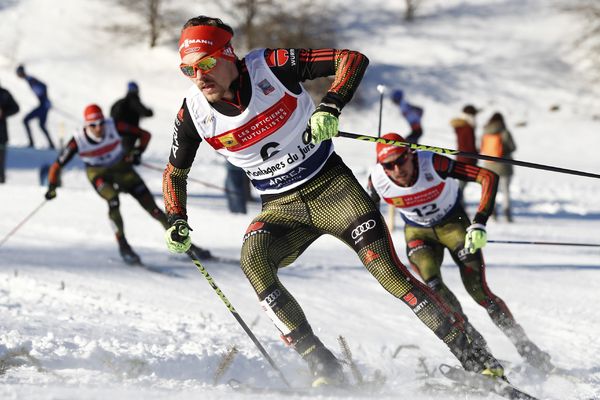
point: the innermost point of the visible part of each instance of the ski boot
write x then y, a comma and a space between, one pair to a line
535, 356
475, 356
324, 367
200, 253
127, 253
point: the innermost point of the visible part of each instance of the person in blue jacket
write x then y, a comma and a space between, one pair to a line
40, 90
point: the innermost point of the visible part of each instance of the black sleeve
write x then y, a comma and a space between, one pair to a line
67, 153
448, 168
9, 105
186, 140
136, 104
293, 66
372, 192
63, 158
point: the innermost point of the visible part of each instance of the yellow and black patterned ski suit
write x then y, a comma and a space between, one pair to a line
334, 203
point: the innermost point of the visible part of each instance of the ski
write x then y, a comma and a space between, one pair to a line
166, 271
222, 260
477, 381
367, 388
249, 388
157, 270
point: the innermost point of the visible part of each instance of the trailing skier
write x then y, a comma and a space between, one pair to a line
109, 168
420, 185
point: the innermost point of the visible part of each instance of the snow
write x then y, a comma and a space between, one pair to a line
75, 323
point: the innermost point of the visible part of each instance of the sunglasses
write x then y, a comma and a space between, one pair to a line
95, 124
205, 64
400, 161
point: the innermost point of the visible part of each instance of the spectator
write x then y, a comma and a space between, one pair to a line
41, 111
8, 107
497, 141
411, 113
464, 126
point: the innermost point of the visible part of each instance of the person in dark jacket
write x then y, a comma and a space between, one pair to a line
128, 111
41, 111
130, 108
8, 107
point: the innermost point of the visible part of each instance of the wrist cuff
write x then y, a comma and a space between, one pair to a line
474, 227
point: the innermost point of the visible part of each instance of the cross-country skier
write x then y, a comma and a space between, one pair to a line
420, 185
254, 111
40, 90
109, 169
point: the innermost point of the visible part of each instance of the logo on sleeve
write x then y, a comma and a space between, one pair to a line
278, 58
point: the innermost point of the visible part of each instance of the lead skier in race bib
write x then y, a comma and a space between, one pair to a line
255, 112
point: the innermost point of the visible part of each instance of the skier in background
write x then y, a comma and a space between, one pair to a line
412, 113
109, 169
127, 112
419, 185
8, 107
254, 111
41, 111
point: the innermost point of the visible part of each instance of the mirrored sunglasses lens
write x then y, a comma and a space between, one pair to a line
206, 64
188, 70
400, 161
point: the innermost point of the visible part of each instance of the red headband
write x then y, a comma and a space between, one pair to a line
384, 151
203, 39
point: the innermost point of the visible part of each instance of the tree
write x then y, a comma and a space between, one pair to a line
588, 41
411, 9
267, 23
156, 17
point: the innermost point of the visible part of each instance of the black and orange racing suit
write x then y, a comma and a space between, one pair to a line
108, 181
425, 246
333, 202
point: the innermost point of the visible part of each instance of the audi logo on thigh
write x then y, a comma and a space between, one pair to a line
362, 228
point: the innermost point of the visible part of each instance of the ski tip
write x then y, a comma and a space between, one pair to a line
445, 368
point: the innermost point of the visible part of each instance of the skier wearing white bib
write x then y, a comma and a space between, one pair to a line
255, 112
424, 187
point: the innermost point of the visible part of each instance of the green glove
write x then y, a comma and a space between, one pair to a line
178, 237
476, 237
324, 122
51, 193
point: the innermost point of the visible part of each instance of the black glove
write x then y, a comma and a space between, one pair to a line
136, 156
51, 193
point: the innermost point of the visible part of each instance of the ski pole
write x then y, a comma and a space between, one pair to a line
544, 243
381, 90
20, 224
237, 316
210, 185
443, 151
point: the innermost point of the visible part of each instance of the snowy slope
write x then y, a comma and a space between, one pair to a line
76, 324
